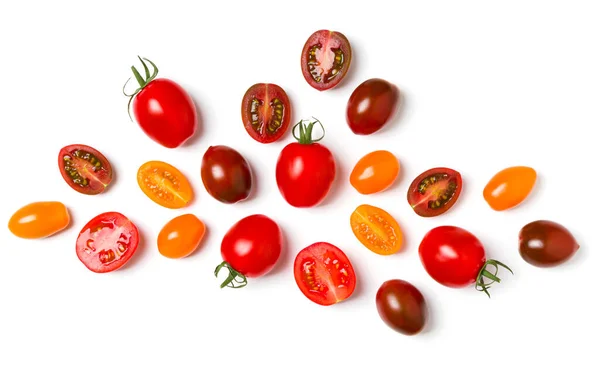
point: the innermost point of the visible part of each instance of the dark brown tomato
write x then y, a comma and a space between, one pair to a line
371, 106
266, 112
434, 191
326, 58
544, 243
226, 175
85, 169
401, 306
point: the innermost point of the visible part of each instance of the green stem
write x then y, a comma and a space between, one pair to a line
233, 277
141, 81
305, 137
138, 77
480, 283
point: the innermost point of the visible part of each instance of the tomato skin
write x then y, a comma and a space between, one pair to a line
181, 236
164, 184
423, 194
324, 274
544, 243
509, 187
324, 52
39, 220
375, 172
376, 229
401, 306
85, 169
371, 106
226, 174
107, 242
165, 112
266, 112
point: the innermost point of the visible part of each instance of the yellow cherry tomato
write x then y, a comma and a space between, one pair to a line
375, 172
509, 187
39, 220
376, 229
181, 236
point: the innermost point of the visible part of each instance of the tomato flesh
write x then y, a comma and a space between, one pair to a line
326, 58
107, 242
544, 243
164, 184
266, 112
434, 191
371, 106
376, 229
375, 172
324, 274
401, 306
509, 187
39, 220
226, 174
85, 169
181, 236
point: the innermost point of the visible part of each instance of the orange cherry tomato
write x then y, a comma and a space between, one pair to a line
375, 172
181, 236
376, 229
164, 184
509, 187
39, 220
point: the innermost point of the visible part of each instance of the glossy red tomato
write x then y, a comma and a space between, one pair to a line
454, 257
107, 242
324, 274
266, 112
85, 169
371, 106
401, 306
226, 174
305, 169
544, 243
326, 58
434, 191
163, 109
250, 248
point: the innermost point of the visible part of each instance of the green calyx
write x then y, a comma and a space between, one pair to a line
483, 286
305, 130
234, 279
143, 82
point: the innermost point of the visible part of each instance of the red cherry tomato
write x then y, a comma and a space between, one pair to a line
163, 109
455, 258
305, 169
266, 112
107, 242
371, 106
250, 248
434, 191
324, 274
85, 169
326, 58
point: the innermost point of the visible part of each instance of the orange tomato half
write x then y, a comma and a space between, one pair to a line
164, 184
39, 220
376, 229
375, 172
509, 187
181, 236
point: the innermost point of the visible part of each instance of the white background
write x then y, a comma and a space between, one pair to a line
486, 85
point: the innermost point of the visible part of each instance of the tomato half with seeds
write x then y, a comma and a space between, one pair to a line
509, 187
164, 184
181, 236
375, 172
324, 274
326, 58
266, 112
376, 229
39, 220
107, 242
434, 191
85, 169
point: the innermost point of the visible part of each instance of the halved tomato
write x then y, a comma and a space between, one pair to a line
324, 274
107, 242
164, 184
376, 229
85, 169
266, 112
326, 58
434, 191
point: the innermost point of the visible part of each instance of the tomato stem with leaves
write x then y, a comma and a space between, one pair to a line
233, 277
143, 82
305, 137
480, 284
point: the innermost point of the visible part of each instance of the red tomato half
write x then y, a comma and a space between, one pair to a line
434, 191
266, 112
163, 109
326, 58
324, 274
85, 169
107, 242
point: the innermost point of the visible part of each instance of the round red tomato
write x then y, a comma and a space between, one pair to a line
324, 274
305, 169
434, 191
163, 109
371, 106
266, 112
250, 248
455, 258
107, 242
326, 59
85, 169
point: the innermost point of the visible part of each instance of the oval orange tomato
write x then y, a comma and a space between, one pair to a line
164, 184
375, 172
376, 229
39, 220
509, 187
181, 236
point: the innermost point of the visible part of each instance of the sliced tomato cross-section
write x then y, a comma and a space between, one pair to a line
266, 112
